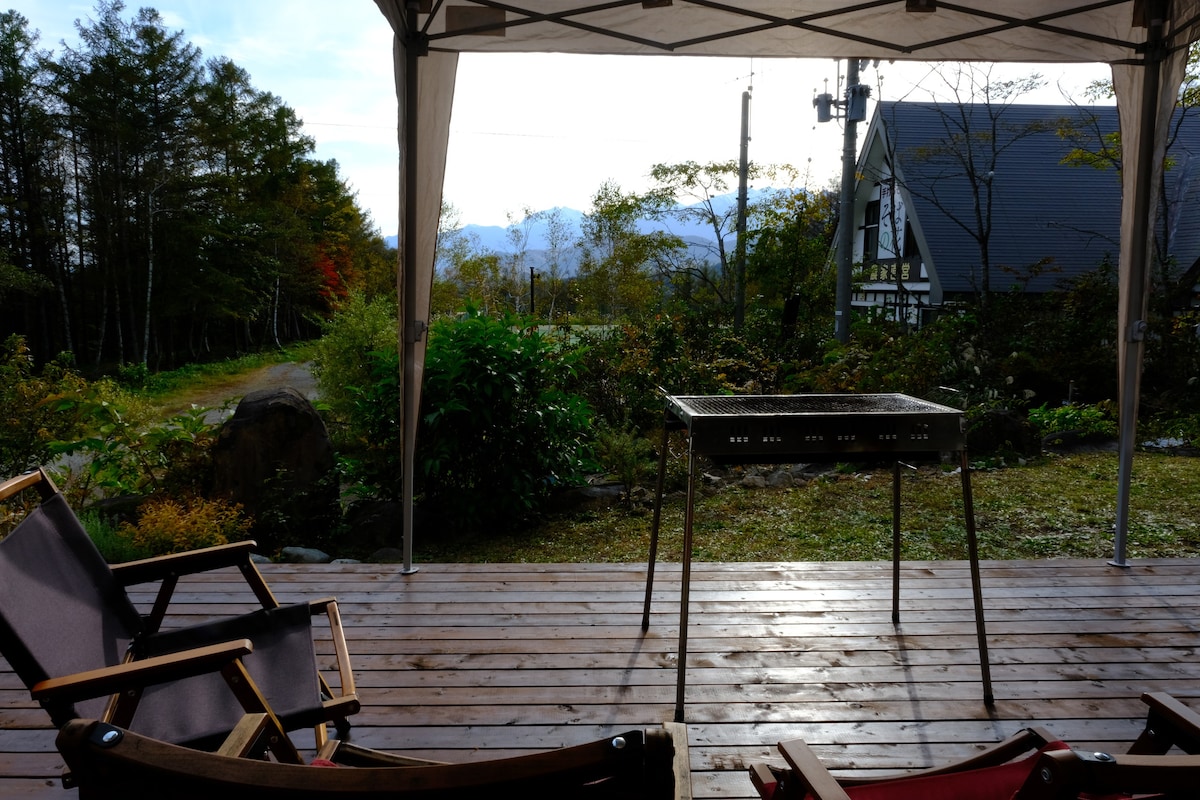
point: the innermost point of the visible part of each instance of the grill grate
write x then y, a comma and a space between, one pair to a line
777, 428
721, 405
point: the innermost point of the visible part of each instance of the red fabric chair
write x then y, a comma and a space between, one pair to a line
1054, 771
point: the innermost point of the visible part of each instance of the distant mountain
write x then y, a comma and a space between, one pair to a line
494, 238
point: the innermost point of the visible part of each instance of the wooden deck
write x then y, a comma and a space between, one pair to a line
464, 662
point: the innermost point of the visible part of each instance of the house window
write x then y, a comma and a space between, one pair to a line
910, 242
871, 233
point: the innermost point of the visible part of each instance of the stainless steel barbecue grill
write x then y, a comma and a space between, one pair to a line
761, 429
807, 427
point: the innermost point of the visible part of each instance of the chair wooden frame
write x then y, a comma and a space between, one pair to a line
108, 762
124, 683
1055, 771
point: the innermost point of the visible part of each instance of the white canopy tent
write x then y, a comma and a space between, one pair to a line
1145, 41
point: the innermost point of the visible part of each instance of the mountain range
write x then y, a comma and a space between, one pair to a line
699, 236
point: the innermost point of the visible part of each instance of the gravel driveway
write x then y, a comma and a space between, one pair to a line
223, 398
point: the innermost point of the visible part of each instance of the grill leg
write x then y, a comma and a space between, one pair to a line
685, 589
658, 497
976, 583
896, 543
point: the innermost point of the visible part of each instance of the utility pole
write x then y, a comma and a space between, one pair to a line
739, 276
855, 111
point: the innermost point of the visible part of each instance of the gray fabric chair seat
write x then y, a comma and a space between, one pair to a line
63, 612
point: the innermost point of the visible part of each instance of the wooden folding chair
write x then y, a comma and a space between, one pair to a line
108, 762
1031, 765
70, 631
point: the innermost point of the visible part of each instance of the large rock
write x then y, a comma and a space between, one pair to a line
275, 458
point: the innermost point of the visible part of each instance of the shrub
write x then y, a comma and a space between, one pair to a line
343, 362
1085, 420
627, 454
498, 430
127, 452
30, 420
628, 366
166, 525
114, 544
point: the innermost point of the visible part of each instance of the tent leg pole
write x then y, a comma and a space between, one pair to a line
413, 326
1134, 333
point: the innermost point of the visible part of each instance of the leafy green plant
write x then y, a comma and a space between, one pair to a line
114, 544
345, 360
372, 453
626, 454
126, 453
30, 417
627, 364
498, 430
1085, 420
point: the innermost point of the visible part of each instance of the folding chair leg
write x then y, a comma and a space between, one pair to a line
242, 740
252, 699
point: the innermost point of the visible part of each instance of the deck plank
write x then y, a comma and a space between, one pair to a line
468, 662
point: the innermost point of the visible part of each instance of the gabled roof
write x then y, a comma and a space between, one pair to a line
1050, 219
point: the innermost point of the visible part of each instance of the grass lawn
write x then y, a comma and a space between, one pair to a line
1060, 506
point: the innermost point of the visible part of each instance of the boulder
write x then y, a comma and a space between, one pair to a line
303, 555
274, 457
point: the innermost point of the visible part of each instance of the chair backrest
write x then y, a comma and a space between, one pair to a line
61, 609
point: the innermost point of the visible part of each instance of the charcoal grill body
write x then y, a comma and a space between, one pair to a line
763, 429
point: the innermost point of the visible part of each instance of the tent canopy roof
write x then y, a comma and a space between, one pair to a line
930, 30
1146, 80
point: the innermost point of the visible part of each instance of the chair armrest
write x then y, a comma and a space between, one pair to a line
167, 569
1169, 723
189, 563
807, 768
341, 651
139, 674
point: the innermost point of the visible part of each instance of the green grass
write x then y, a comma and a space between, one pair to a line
112, 544
1053, 507
165, 388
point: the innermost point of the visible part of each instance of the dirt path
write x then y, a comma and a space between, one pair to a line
229, 391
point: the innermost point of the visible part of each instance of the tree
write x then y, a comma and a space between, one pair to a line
559, 235
622, 268
688, 192
975, 140
153, 207
32, 188
1102, 150
788, 268
518, 279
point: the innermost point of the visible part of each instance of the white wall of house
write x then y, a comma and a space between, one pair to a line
900, 284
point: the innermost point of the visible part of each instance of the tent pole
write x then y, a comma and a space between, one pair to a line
413, 327
1135, 326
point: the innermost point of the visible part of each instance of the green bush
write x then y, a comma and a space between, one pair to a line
629, 366
30, 419
1085, 420
627, 454
498, 430
371, 447
126, 451
344, 359
116, 546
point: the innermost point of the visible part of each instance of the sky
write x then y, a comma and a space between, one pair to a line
528, 131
